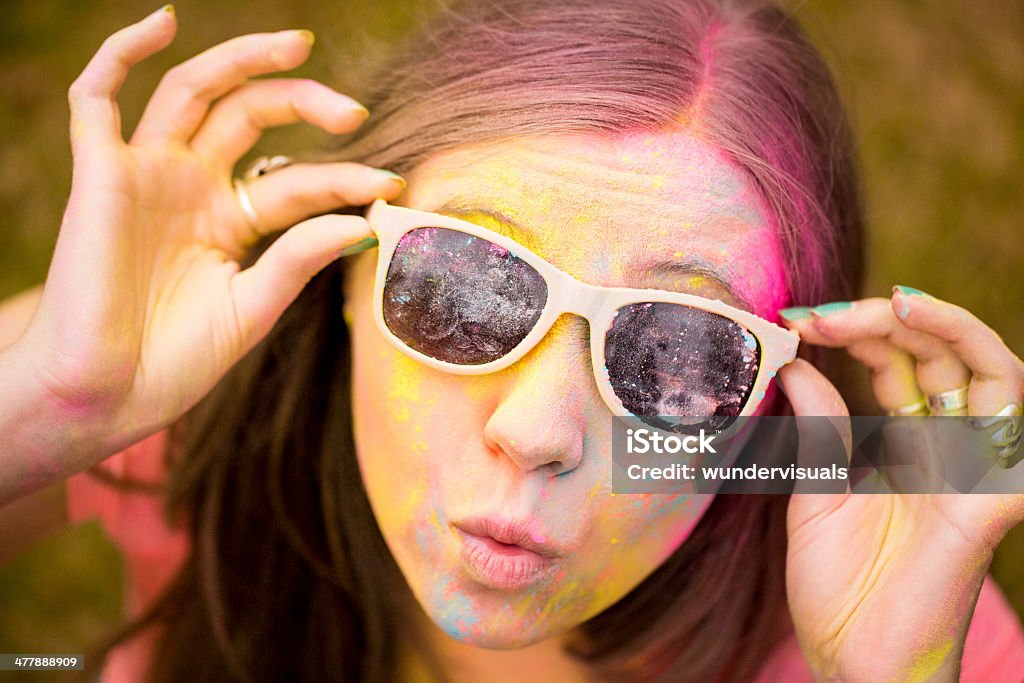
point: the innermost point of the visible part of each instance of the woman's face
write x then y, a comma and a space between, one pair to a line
532, 443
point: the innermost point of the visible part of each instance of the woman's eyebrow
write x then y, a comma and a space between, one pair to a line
495, 219
651, 270
687, 267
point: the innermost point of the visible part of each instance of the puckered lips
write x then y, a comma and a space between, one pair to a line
506, 554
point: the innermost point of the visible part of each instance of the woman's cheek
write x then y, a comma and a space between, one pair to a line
391, 409
385, 422
636, 534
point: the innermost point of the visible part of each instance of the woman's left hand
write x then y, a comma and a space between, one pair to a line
882, 587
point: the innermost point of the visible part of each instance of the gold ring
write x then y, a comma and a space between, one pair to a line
245, 201
264, 165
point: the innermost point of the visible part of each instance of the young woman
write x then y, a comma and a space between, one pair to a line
342, 495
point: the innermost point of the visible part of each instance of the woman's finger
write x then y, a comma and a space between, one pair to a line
984, 351
94, 113
291, 194
263, 291
938, 367
892, 371
182, 98
237, 121
998, 372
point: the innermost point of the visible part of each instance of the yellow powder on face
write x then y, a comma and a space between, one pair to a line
491, 223
477, 390
696, 281
403, 386
401, 514
568, 599
435, 520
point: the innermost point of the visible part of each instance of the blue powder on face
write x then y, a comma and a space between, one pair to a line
457, 616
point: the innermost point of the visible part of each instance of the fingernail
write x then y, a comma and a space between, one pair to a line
361, 245
306, 35
903, 310
169, 9
390, 175
831, 307
910, 291
362, 110
795, 312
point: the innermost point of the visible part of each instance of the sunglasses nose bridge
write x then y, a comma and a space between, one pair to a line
582, 299
589, 302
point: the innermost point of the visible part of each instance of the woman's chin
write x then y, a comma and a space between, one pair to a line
499, 633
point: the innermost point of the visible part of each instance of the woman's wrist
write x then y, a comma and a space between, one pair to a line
42, 441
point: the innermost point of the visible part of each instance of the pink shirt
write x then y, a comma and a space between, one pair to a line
993, 653
152, 552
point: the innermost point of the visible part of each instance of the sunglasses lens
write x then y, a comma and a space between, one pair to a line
680, 368
458, 298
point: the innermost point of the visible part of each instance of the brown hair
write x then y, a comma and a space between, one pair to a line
288, 570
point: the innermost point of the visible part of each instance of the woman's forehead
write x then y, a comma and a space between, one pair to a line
617, 211
668, 171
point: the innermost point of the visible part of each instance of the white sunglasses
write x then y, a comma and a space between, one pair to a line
458, 297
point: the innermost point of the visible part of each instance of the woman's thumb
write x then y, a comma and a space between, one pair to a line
263, 291
822, 418
809, 391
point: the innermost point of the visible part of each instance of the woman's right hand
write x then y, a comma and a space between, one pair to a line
145, 306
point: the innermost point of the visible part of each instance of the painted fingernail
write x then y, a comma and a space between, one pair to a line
910, 291
795, 312
169, 9
903, 310
392, 176
306, 35
831, 307
361, 245
362, 110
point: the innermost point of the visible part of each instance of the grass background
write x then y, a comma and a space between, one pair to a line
935, 91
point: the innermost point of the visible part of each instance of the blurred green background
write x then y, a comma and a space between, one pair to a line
935, 91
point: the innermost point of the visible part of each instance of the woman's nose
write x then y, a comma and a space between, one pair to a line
540, 419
